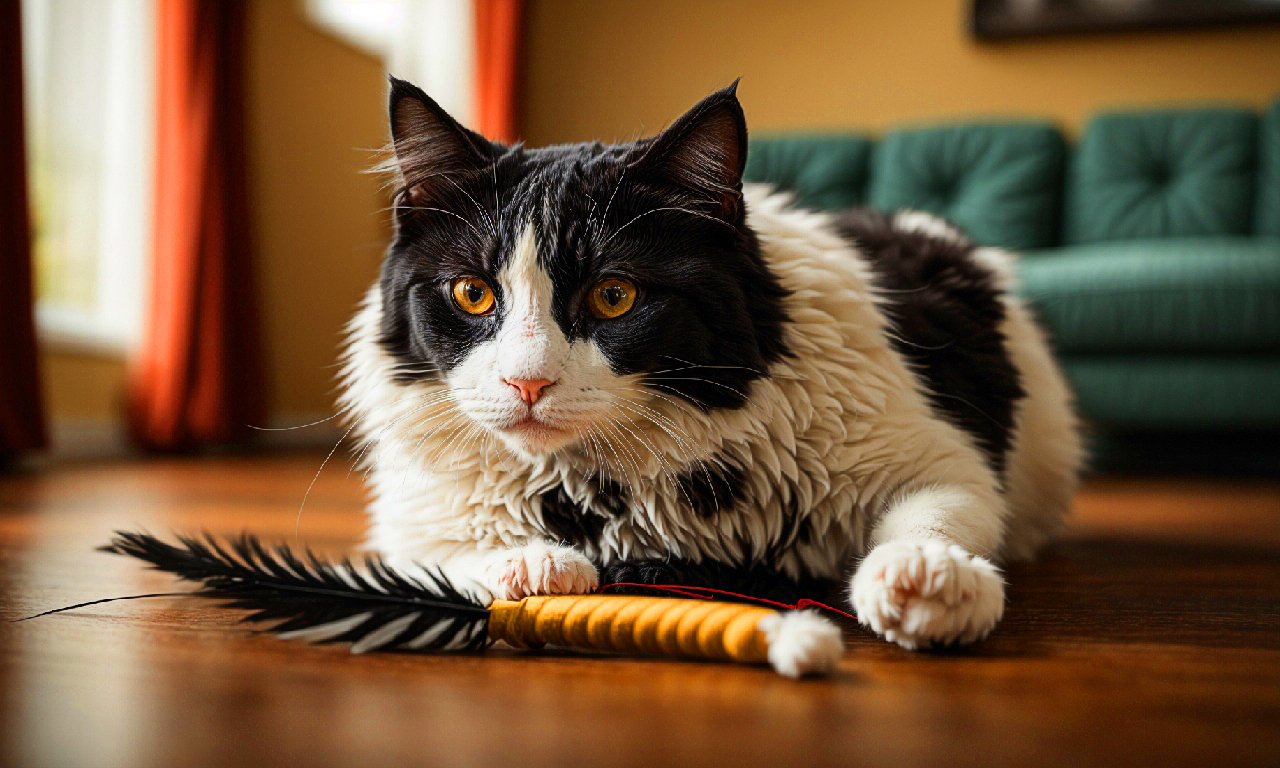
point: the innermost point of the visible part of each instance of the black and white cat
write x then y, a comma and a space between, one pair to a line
590, 355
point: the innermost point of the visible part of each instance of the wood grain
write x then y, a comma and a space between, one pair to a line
1150, 635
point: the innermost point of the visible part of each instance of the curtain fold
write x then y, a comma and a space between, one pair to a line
196, 379
499, 40
21, 413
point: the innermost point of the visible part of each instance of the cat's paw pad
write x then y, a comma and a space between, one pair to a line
541, 569
924, 593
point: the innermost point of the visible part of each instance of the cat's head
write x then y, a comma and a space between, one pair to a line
554, 289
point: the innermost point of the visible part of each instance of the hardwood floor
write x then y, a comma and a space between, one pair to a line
1149, 636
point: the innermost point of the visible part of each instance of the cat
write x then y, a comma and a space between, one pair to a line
620, 356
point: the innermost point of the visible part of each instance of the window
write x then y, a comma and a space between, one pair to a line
429, 42
89, 69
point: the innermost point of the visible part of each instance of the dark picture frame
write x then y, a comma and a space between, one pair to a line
1012, 19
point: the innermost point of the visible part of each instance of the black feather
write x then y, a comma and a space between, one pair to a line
373, 607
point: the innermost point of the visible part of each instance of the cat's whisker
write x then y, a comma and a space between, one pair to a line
653, 384
666, 468
660, 420
714, 367
609, 445
678, 435
708, 217
417, 425
474, 432
694, 455
297, 523
418, 405
737, 392
448, 177
497, 198
604, 218
336, 414
463, 219
422, 466
630, 459
909, 343
679, 405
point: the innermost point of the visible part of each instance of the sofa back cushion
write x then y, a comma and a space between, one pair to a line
824, 172
1175, 173
1267, 219
1001, 183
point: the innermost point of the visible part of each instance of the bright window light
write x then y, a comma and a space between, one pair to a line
430, 42
90, 85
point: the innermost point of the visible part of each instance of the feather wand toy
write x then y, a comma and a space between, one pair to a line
376, 607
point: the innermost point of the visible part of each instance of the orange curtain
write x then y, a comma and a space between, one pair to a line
21, 416
196, 379
499, 35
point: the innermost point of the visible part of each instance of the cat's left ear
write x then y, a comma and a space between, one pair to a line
704, 152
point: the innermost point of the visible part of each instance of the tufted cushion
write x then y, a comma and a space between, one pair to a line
999, 182
825, 172
1177, 393
1268, 216
1176, 295
1162, 174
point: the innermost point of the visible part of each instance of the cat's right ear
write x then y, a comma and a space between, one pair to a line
431, 148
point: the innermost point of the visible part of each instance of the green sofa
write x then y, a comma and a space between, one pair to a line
1150, 249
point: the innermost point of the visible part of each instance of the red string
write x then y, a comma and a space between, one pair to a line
708, 593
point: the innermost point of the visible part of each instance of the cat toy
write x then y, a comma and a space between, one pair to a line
377, 607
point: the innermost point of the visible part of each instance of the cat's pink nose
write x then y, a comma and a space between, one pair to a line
530, 389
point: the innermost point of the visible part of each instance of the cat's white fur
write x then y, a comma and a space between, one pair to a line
839, 430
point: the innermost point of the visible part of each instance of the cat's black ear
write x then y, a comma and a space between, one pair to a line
431, 148
705, 151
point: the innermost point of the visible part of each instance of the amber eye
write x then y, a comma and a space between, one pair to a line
473, 295
611, 298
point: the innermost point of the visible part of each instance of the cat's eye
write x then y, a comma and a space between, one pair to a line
473, 295
611, 298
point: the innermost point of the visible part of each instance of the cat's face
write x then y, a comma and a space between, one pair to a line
558, 290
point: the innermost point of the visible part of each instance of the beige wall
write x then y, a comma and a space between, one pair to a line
82, 386
316, 108
609, 70
612, 69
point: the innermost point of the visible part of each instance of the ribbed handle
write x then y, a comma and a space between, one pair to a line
661, 626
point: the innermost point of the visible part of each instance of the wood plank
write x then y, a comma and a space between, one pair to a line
1149, 635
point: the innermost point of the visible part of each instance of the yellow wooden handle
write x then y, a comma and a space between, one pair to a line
629, 624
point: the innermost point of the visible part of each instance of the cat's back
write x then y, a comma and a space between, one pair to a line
942, 305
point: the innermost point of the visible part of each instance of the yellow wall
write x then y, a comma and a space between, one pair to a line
611, 70
82, 386
316, 108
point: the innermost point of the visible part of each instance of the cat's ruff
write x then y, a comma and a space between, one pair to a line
833, 452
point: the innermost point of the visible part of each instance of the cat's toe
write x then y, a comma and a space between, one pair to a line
925, 593
541, 569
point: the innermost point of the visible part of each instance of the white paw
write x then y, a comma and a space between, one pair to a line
540, 569
802, 643
923, 593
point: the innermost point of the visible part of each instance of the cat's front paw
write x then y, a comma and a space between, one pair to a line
540, 569
925, 593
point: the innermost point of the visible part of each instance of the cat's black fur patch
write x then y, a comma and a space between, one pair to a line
946, 314
760, 580
571, 522
665, 212
711, 487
